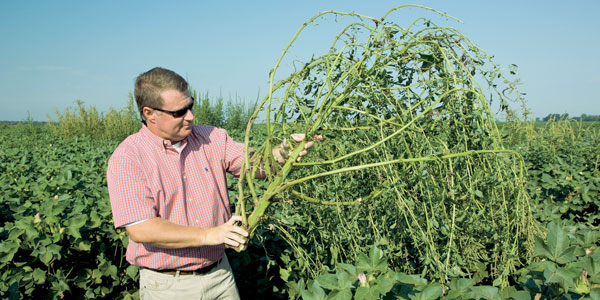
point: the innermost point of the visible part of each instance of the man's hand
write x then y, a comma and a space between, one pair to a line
281, 152
228, 234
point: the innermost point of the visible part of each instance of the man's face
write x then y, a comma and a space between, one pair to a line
167, 126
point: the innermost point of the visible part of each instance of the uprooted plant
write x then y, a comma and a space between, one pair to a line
411, 153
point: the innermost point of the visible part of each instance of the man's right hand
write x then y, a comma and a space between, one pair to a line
229, 234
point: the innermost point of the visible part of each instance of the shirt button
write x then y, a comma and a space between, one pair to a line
184, 177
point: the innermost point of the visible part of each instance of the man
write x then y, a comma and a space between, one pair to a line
167, 187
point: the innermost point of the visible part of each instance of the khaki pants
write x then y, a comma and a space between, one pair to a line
216, 284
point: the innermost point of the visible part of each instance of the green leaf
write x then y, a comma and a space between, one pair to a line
384, 285
15, 233
433, 291
345, 280
485, 292
509, 291
284, 274
39, 276
328, 281
95, 219
78, 221
595, 294
365, 293
557, 248
521, 295
314, 292
541, 266
541, 249
97, 275
348, 268
132, 271
113, 271
45, 256
344, 294
410, 279
462, 284
374, 262
74, 232
560, 275
497, 281
54, 250
7, 251
84, 246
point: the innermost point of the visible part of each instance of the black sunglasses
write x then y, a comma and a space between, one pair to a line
178, 113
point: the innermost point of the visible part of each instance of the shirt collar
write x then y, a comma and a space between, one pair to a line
158, 141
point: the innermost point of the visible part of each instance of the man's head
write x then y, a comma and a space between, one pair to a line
164, 103
150, 84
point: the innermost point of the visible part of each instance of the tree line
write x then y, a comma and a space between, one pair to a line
565, 116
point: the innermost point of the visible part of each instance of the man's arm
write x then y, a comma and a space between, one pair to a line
164, 234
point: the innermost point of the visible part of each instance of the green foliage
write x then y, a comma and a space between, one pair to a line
570, 264
557, 117
563, 162
561, 275
112, 125
57, 235
411, 154
118, 124
587, 118
413, 194
207, 113
71, 247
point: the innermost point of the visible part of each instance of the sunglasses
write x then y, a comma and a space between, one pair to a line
178, 113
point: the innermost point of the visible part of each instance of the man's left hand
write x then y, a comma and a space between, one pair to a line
281, 152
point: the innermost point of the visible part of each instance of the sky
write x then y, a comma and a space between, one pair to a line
53, 53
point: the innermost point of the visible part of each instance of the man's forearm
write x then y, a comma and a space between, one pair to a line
164, 234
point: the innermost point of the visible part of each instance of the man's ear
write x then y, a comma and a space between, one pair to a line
149, 115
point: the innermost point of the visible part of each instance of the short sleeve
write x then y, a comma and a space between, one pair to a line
234, 155
130, 196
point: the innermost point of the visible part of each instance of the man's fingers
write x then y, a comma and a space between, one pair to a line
234, 219
231, 243
240, 231
237, 238
234, 240
298, 137
287, 146
231, 227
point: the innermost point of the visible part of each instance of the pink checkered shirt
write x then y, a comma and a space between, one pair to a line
148, 178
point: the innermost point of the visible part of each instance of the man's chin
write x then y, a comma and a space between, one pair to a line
185, 131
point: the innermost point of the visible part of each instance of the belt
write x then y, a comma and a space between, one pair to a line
195, 272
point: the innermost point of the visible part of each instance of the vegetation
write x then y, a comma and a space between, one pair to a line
565, 116
415, 193
407, 124
118, 124
58, 239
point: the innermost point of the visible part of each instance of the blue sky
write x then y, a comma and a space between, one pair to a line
54, 52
